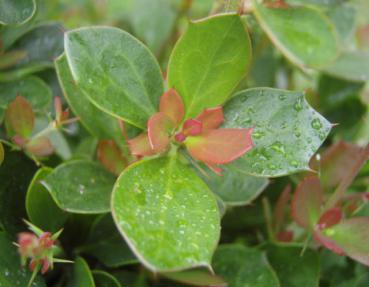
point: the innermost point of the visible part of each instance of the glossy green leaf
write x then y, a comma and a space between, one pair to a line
104, 279
107, 245
209, 61
82, 275
16, 173
234, 187
11, 272
117, 72
42, 44
33, 89
196, 278
152, 21
98, 123
343, 17
294, 268
303, 34
80, 186
351, 66
167, 214
241, 266
287, 131
16, 12
41, 208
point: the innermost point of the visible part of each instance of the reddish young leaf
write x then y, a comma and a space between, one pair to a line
110, 155
329, 218
140, 145
306, 202
280, 208
327, 242
159, 127
335, 162
171, 104
285, 236
40, 147
220, 146
19, 117
211, 118
351, 236
192, 127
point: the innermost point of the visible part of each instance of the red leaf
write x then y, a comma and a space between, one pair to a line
140, 145
327, 243
307, 202
110, 155
351, 236
285, 236
211, 118
40, 147
280, 208
19, 117
171, 104
192, 127
220, 146
159, 127
329, 218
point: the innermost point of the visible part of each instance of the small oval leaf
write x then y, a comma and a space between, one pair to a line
16, 12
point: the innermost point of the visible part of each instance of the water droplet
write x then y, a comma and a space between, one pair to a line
298, 104
282, 97
272, 166
90, 81
294, 163
316, 124
278, 147
258, 134
81, 189
322, 135
297, 132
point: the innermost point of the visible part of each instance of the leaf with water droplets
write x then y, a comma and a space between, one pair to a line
16, 12
241, 266
11, 273
287, 131
293, 267
117, 72
81, 186
209, 61
167, 214
303, 34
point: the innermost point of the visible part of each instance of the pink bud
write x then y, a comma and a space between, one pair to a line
180, 137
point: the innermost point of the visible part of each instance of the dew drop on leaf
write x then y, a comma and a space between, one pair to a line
316, 124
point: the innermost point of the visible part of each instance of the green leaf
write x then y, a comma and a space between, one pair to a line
234, 187
293, 268
1, 153
153, 21
287, 131
107, 245
82, 275
209, 61
98, 123
11, 272
104, 279
43, 44
242, 266
117, 72
41, 208
81, 186
351, 66
196, 278
167, 214
33, 89
16, 173
303, 34
16, 12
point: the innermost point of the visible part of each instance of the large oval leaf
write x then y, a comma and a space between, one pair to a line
287, 131
81, 187
41, 208
98, 123
11, 272
16, 12
117, 72
242, 266
209, 61
303, 34
167, 214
